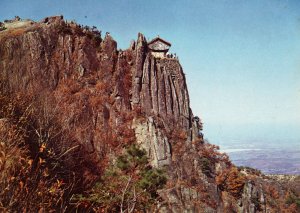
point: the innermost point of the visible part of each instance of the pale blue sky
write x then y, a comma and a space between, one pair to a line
241, 58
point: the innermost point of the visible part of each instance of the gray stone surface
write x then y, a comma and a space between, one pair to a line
153, 141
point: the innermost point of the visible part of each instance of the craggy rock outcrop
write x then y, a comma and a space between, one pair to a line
159, 87
43, 56
95, 89
253, 199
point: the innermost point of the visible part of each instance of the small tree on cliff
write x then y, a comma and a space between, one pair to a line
129, 185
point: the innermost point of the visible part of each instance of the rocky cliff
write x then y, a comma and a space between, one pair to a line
106, 98
53, 54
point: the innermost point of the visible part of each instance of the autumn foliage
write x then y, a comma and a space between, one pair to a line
38, 171
32, 174
232, 181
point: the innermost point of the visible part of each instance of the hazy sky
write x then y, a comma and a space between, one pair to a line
241, 58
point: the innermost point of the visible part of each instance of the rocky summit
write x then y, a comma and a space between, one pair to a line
74, 103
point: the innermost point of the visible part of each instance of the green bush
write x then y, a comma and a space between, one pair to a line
130, 184
2, 28
206, 166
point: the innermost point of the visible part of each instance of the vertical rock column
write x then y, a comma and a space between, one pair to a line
141, 48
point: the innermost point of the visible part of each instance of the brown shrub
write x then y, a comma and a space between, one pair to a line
232, 181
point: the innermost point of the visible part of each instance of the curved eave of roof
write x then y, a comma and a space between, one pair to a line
159, 39
156, 50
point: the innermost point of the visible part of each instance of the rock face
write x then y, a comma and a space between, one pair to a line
253, 199
95, 89
154, 142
